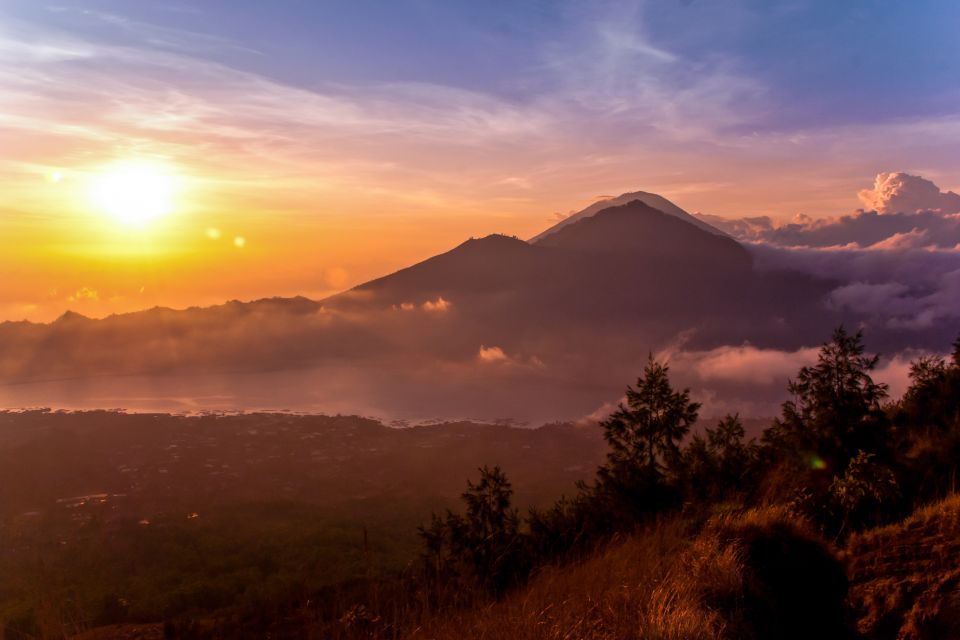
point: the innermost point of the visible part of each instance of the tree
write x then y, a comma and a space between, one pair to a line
719, 462
864, 491
836, 408
492, 526
928, 426
485, 541
644, 437
835, 416
929, 404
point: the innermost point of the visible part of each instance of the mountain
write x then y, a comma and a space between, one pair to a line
608, 268
494, 328
652, 200
648, 234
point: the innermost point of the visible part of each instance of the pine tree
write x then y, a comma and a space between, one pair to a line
836, 410
644, 437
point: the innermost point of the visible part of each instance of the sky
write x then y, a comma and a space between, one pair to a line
304, 146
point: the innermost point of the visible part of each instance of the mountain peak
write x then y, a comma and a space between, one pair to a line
70, 316
638, 229
650, 199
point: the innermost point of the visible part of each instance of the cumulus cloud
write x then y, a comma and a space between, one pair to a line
491, 354
904, 212
437, 306
496, 355
903, 193
894, 268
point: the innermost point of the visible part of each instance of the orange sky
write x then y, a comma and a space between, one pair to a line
310, 232
334, 180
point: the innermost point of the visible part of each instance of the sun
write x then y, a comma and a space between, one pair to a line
135, 192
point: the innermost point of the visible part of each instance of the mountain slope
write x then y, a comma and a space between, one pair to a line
619, 245
628, 266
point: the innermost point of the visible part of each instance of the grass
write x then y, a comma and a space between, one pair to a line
663, 584
903, 575
627, 587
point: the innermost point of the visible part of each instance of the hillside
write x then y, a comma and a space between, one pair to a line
718, 584
904, 578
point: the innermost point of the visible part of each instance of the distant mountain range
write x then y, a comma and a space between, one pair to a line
548, 328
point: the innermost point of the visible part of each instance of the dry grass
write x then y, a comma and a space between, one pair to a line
656, 585
905, 576
629, 589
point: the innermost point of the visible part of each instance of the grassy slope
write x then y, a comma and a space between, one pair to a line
658, 584
905, 577
904, 583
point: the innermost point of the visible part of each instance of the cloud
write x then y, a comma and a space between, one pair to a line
744, 364
753, 381
886, 297
913, 239
908, 212
917, 289
491, 354
84, 293
439, 305
903, 193
896, 271
938, 307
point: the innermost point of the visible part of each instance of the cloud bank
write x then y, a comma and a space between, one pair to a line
895, 268
900, 193
753, 381
904, 212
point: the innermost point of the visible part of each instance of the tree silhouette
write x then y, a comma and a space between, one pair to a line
836, 410
485, 541
719, 462
835, 416
644, 437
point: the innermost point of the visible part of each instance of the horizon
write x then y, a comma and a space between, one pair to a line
363, 141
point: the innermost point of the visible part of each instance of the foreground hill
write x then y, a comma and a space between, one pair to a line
757, 574
905, 582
